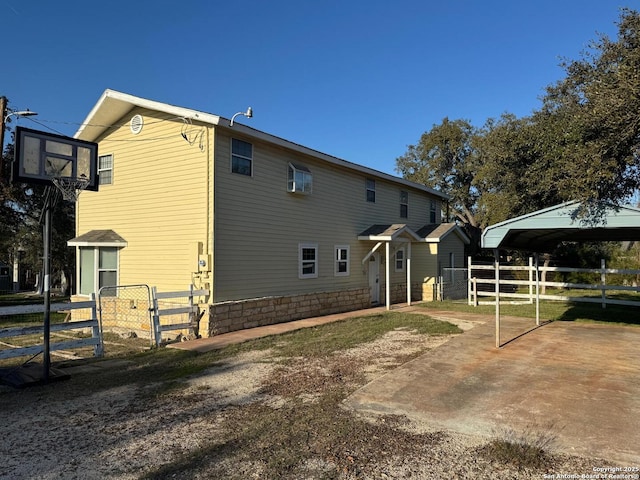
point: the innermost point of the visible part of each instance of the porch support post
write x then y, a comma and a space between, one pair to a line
409, 273
387, 275
496, 255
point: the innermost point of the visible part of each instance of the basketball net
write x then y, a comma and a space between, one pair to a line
70, 187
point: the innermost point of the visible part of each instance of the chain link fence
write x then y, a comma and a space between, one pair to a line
125, 311
453, 284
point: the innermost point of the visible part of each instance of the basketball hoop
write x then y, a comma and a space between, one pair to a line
70, 187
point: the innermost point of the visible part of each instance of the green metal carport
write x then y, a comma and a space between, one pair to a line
543, 230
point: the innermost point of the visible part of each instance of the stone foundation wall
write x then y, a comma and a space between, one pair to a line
237, 315
399, 293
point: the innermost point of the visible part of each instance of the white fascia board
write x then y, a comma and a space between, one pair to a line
71, 243
376, 238
405, 235
113, 105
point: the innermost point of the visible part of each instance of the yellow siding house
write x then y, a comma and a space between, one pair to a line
274, 230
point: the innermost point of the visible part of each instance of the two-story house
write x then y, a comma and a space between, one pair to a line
275, 230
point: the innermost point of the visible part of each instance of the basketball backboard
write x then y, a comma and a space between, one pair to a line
44, 158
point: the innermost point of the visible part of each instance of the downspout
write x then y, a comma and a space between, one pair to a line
210, 211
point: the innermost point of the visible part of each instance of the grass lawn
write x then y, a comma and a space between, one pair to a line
550, 310
172, 364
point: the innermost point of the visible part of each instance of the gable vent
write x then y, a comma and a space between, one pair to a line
136, 124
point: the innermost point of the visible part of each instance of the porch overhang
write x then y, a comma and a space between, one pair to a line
385, 235
436, 233
98, 238
398, 232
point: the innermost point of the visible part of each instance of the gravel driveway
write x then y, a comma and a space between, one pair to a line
254, 415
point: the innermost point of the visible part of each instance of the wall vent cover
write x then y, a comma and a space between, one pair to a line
136, 124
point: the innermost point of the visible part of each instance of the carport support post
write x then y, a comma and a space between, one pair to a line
496, 254
603, 281
537, 257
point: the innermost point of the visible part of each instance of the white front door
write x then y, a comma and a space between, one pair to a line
374, 278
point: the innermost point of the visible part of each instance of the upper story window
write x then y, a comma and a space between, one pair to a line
404, 204
300, 179
432, 212
371, 190
241, 157
105, 169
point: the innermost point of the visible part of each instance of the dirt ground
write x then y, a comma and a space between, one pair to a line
253, 416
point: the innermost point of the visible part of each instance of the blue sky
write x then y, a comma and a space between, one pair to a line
360, 80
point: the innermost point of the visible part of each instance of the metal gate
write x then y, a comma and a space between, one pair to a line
453, 284
127, 311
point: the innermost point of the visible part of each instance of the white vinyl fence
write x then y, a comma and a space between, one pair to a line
123, 309
177, 317
35, 331
524, 283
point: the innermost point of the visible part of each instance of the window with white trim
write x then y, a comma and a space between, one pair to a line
98, 268
300, 179
341, 267
371, 190
308, 260
105, 169
404, 204
400, 259
241, 157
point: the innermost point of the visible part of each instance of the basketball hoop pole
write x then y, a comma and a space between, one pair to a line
46, 361
67, 165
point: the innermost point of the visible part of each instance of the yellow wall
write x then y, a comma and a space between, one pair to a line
162, 203
159, 201
259, 225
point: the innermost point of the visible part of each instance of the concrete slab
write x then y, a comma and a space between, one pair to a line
579, 382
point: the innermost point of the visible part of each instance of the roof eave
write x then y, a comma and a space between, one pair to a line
113, 105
